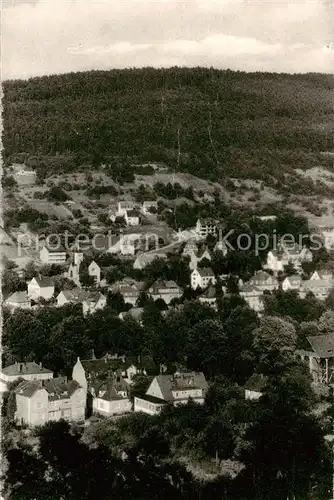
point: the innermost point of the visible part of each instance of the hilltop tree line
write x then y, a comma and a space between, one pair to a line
208, 122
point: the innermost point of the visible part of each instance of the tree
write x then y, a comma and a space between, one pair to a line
274, 333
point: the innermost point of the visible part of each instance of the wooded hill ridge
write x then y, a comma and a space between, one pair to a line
211, 123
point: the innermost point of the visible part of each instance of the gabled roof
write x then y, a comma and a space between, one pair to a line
209, 293
322, 345
295, 278
262, 276
149, 203
249, 288
314, 284
180, 381
57, 388
53, 249
28, 388
205, 272
111, 389
43, 281
18, 298
206, 221
162, 284
21, 369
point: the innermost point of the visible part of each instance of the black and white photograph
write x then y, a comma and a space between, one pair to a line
167, 250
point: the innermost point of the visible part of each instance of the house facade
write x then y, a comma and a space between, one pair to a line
291, 283
94, 271
204, 227
264, 281
41, 287
165, 290
209, 297
132, 217
91, 301
123, 206
42, 401
175, 389
112, 397
49, 255
201, 278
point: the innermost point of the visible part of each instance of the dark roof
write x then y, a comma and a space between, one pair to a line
181, 381
133, 213
44, 281
205, 271
162, 284
111, 389
53, 249
256, 382
103, 367
28, 388
207, 221
57, 388
209, 293
153, 399
30, 368
322, 345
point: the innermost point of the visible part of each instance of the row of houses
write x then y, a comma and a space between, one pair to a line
100, 385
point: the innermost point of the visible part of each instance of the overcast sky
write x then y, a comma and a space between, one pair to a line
57, 36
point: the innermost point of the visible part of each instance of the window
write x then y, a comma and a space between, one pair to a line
38, 404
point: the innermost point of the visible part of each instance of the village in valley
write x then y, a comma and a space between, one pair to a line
92, 278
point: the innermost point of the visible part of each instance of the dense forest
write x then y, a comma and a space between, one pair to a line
208, 122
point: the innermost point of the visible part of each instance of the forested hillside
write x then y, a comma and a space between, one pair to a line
209, 122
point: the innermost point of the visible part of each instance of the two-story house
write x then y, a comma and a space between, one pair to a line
91, 301
264, 281
132, 217
111, 397
202, 277
42, 401
53, 255
209, 297
129, 290
291, 283
278, 259
41, 287
165, 290
27, 370
204, 227
174, 389
18, 300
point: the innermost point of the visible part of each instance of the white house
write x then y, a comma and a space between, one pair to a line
325, 274
285, 255
27, 371
202, 277
264, 281
41, 287
291, 283
112, 397
221, 246
204, 227
132, 217
18, 300
94, 271
148, 205
42, 401
91, 301
175, 389
50, 255
319, 288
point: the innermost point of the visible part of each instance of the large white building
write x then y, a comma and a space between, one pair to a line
50, 255
202, 277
